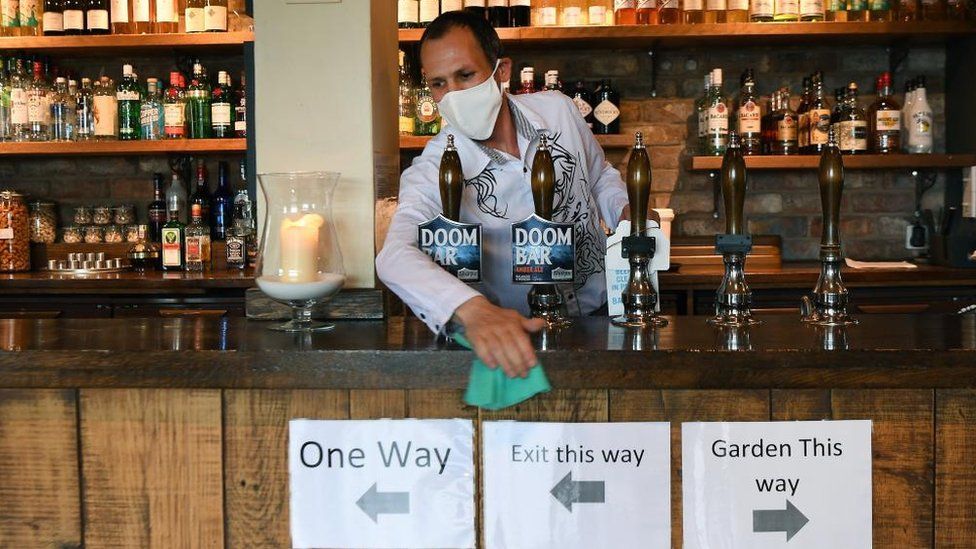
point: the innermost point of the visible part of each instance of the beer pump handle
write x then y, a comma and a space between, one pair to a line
734, 186
451, 181
638, 185
543, 180
831, 176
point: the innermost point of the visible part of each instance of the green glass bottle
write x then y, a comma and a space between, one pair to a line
129, 96
173, 256
198, 105
428, 118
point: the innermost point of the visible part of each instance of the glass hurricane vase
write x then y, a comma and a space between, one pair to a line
300, 263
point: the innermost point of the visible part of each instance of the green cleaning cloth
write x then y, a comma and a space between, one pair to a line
493, 390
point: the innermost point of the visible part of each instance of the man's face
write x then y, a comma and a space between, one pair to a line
456, 61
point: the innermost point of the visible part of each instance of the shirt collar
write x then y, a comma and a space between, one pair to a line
475, 156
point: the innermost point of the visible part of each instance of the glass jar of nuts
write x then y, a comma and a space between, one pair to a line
101, 215
72, 234
83, 215
124, 214
94, 234
43, 222
133, 233
14, 232
113, 233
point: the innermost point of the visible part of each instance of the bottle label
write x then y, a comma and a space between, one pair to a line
812, 8
717, 5
623, 4
240, 122
120, 11
74, 20
195, 20
879, 5
215, 18
29, 12
572, 17
819, 126
598, 15
750, 118
406, 124
166, 11
53, 21
922, 123
692, 5
803, 130
18, 106
10, 14
127, 95
887, 121
427, 110
35, 107
194, 249
788, 7
171, 247
106, 115
429, 10
149, 120
854, 135
174, 117
738, 5
718, 119
584, 108
606, 112
761, 8
97, 19
235, 250
786, 129
140, 11
220, 114
547, 16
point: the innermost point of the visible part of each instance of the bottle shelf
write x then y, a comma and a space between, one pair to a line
634, 36
853, 162
622, 141
120, 148
130, 43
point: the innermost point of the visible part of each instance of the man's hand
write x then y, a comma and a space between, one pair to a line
499, 336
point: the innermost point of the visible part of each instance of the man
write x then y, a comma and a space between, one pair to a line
496, 136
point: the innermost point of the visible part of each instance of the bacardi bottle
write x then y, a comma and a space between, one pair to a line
785, 122
749, 117
717, 117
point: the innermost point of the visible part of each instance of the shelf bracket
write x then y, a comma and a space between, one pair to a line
654, 66
716, 193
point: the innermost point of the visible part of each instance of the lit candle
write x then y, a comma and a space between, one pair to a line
300, 248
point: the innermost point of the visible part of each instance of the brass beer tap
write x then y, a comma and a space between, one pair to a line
639, 298
545, 300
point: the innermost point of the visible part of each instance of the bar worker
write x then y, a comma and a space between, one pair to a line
496, 135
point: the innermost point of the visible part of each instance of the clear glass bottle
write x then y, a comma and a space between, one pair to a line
174, 109
176, 197
85, 111
428, 119
151, 112
38, 105
129, 97
106, 111
702, 110
599, 12
167, 18
545, 13
142, 16
715, 11
198, 105
19, 118
4, 103
749, 116
853, 124
692, 12
121, 16
62, 113
717, 117
406, 105
738, 11
884, 119
786, 10
196, 239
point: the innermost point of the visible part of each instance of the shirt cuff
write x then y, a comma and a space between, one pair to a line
440, 313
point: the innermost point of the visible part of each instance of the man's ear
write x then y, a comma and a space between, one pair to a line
504, 73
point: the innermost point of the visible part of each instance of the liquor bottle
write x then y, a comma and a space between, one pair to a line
235, 247
142, 16
668, 12
4, 103
692, 12
625, 12
428, 118
428, 10
606, 114
717, 117
30, 17
176, 197
9, 17
129, 96
552, 81
819, 118
785, 121
18, 82
933, 10
880, 10
174, 109
802, 119
499, 14
157, 209
52, 21
884, 119
196, 238
545, 13
106, 111
738, 11
406, 106
96, 17
526, 81
245, 216
151, 121
240, 108
222, 208
215, 16
38, 107
62, 117
478, 7
857, 10
201, 193
715, 11
171, 238
906, 110
836, 10
702, 110
74, 17
573, 13
599, 12
648, 13
920, 126
813, 10
121, 16
521, 12
221, 112
749, 117
194, 15
584, 102
85, 111
853, 124
408, 14
760, 11
786, 10
167, 19
198, 105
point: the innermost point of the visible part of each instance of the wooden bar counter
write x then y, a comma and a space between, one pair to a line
173, 432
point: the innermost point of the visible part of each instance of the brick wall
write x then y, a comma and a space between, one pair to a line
877, 205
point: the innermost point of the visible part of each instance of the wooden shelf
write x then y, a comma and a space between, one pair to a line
115, 43
634, 36
106, 148
853, 162
417, 143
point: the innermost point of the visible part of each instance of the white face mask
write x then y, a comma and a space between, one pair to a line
473, 111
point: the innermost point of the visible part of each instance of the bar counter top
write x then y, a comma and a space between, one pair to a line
127, 280
883, 351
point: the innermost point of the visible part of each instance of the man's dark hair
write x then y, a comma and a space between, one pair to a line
483, 32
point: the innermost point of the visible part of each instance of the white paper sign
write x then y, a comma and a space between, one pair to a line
618, 268
577, 485
385, 483
797, 484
